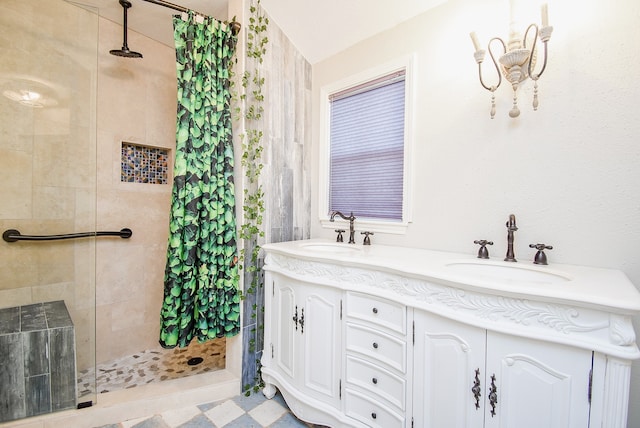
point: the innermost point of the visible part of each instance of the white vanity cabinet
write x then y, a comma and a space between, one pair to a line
479, 378
396, 337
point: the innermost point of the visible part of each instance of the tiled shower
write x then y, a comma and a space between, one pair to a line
55, 78
48, 164
98, 156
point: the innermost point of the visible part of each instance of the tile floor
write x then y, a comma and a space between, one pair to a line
254, 411
151, 366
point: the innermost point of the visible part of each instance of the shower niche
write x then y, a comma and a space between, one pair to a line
144, 164
37, 350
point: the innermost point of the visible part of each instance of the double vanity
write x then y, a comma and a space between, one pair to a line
380, 336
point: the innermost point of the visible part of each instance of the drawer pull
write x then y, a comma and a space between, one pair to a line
375, 345
375, 381
373, 415
375, 310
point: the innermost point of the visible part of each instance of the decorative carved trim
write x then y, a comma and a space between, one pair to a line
512, 359
463, 344
520, 311
456, 301
621, 331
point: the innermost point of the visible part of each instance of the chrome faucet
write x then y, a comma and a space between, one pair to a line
511, 227
351, 218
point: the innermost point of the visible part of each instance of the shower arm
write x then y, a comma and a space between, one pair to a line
13, 235
235, 27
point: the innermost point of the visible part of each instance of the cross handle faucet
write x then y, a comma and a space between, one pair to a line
351, 219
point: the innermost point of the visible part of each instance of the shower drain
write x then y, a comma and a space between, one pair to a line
195, 361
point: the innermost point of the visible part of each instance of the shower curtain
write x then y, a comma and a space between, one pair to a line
201, 296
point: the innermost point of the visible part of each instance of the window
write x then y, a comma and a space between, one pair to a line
366, 165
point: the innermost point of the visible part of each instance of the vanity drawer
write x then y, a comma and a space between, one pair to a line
376, 380
377, 346
375, 310
370, 412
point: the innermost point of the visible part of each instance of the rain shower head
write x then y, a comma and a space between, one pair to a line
125, 51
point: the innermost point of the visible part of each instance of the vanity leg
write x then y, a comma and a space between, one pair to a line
269, 390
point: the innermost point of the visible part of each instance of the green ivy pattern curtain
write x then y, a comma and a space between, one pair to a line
201, 296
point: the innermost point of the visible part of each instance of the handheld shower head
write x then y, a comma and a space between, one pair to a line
125, 51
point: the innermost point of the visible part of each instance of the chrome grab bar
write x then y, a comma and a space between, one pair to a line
13, 235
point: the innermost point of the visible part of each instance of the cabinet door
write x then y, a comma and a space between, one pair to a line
319, 319
306, 337
283, 329
447, 357
538, 384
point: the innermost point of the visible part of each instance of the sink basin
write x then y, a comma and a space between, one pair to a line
507, 272
334, 248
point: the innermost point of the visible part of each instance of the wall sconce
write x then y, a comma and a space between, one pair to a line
517, 61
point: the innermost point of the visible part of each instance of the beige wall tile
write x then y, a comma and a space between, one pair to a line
15, 297
54, 202
84, 322
15, 176
137, 104
52, 292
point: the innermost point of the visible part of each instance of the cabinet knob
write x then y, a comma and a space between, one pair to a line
373, 415
375, 310
375, 345
375, 381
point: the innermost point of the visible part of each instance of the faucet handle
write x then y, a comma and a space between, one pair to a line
366, 241
339, 238
540, 257
483, 253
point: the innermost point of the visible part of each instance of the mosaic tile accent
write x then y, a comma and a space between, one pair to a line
143, 164
154, 365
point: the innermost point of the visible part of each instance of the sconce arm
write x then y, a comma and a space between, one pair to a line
495, 64
545, 34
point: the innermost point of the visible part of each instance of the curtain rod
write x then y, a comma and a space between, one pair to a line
235, 26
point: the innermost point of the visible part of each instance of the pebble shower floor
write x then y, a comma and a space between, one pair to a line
155, 365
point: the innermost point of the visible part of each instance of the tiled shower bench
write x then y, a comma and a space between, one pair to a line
37, 360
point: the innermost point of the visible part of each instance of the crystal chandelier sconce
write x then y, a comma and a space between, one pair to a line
517, 61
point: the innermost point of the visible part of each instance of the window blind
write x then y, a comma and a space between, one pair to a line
367, 149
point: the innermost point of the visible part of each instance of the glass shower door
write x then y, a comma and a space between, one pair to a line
47, 186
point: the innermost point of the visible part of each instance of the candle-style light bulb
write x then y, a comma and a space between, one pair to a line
474, 39
545, 15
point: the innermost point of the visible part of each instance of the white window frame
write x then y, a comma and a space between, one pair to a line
406, 63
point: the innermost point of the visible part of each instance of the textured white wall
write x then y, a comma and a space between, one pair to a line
570, 172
